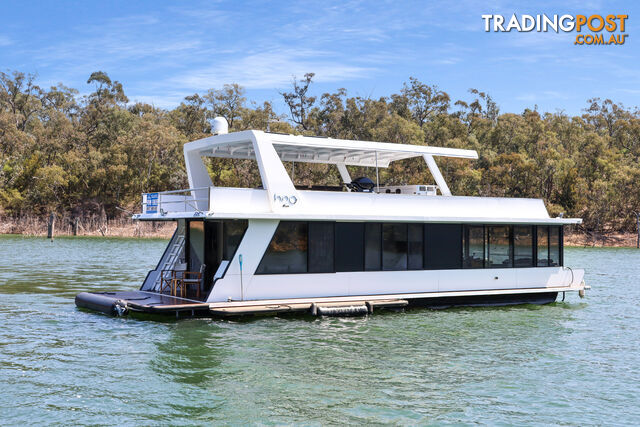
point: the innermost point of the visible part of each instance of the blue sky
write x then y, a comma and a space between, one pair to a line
164, 50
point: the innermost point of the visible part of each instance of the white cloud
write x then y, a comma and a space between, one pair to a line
269, 70
541, 96
5, 41
629, 91
446, 61
168, 100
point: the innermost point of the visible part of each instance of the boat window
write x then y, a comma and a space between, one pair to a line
326, 247
196, 245
222, 268
349, 246
233, 230
442, 246
394, 246
554, 246
213, 251
523, 246
321, 247
416, 252
287, 252
474, 245
543, 246
499, 253
372, 246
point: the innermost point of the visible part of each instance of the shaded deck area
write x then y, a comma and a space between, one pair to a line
121, 302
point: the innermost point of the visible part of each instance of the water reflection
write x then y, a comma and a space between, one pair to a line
571, 362
193, 352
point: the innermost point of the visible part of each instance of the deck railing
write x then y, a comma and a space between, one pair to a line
186, 200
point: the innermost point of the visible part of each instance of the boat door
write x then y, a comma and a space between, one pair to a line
204, 246
214, 248
213, 243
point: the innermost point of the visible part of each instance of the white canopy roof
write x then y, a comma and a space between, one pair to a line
280, 199
323, 150
271, 149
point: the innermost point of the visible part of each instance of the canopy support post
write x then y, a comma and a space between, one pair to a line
377, 175
344, 174
435, 172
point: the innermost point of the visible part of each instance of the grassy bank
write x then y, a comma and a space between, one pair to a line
612, 240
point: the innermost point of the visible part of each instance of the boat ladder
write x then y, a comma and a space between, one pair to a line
170, 259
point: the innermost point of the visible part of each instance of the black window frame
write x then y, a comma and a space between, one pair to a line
378, 237
465, 245
560, 245
533, 254
454, 245
401, 226
487, 262
419, 226
261, 273
333, 247
460, 238
341, 263
537, 227
226, 254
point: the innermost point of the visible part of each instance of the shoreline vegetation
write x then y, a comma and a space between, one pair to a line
93, 226
128, 228
86, 159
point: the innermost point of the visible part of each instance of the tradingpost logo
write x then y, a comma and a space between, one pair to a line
604, 30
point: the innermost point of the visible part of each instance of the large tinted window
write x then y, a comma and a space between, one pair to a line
474, 246
214, 245
394, 246
499, 253
287, 252
233, 232
416, 247
373, 246
442, 246
349, 255
196, 245
543, 246
321, 247
523, 246
554, 246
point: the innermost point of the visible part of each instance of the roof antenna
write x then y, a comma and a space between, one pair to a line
219, 126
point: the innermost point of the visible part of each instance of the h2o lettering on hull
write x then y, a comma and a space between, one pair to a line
286, 201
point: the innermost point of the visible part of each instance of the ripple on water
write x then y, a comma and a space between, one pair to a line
573, 362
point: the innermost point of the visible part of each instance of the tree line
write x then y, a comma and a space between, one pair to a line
95, 154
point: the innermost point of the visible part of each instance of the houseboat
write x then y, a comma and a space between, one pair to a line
340, 250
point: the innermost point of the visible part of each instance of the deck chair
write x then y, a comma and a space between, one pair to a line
166, 280
192, 278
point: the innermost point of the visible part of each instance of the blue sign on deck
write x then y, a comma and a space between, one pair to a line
152, 203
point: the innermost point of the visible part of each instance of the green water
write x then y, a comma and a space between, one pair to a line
571, 363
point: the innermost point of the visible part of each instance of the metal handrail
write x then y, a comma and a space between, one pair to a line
571, 270
180, 191
187, 200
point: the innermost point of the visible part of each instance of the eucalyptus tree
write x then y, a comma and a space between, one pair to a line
299, 102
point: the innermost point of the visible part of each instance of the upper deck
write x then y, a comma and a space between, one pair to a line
279, 199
